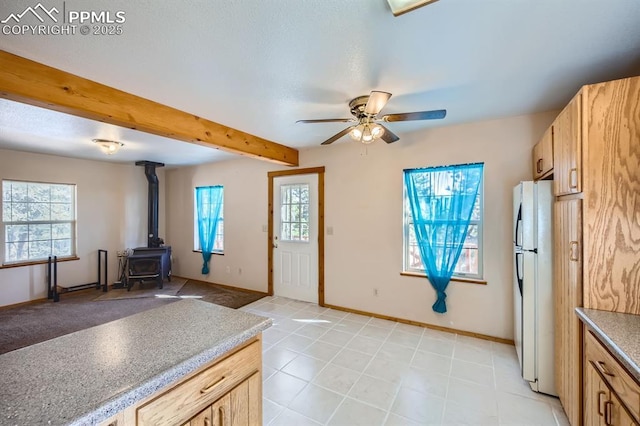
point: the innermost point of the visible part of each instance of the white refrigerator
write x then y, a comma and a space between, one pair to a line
533, 283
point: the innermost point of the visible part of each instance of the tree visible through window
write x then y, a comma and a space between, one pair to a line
470, 262
38, 220
294, 212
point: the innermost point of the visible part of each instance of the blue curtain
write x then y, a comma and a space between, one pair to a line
209, 204
442, 201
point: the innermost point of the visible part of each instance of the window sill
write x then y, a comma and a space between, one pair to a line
457, 279
216, 253
36, 262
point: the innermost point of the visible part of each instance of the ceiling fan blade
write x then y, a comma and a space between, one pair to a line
329, 120
388, 136
337, 136
377, 101
420, 115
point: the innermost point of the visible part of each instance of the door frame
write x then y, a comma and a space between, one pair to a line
272, 175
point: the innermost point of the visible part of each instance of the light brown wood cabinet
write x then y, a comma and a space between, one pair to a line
567, 296
543, 156
225, 392
612, 396
596, 169
567, 148
240, 407
611, 183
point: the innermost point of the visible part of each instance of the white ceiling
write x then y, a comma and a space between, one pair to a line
260, 65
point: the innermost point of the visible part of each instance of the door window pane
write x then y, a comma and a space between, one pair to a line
294, 212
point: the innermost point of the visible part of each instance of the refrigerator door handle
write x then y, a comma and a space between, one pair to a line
518, 221
518, 277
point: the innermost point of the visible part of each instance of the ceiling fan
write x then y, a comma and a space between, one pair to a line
365, 109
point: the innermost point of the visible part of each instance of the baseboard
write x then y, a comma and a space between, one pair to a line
28, 302
423, 324
230, 287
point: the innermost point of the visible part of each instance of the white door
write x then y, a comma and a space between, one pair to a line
295, 230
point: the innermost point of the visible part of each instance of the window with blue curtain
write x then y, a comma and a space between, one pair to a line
443, 224
209, 222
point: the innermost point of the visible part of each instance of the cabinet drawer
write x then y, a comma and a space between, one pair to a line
191, 396
614, 374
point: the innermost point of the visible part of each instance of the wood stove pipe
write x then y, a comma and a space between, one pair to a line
153, 196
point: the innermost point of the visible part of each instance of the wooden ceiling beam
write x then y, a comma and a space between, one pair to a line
36, 84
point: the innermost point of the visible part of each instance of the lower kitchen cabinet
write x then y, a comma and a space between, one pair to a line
226, 392
611, 395
239, 407
601, 406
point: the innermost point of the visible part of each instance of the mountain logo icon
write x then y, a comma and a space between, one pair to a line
34, 11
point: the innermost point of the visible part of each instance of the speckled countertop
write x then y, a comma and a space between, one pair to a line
85, 377
619, 332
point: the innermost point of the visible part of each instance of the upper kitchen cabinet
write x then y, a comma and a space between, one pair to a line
611, 190
567, 148
543, 156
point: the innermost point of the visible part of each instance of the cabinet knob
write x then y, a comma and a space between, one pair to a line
604, 370
210, 387
607, 413
223, 421
600, 394
573, 178
574, 255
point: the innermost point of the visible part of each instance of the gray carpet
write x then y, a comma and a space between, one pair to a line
39, 321
144, 290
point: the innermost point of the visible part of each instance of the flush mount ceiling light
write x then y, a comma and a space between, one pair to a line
107, 146
398, 7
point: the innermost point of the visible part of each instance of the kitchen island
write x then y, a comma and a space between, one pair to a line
123, 368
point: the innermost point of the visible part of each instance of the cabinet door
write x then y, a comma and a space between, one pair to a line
596, 396
568, 296
611, 187
543, 155
567, 148
221, 412
615, 414
203, 418
246, 403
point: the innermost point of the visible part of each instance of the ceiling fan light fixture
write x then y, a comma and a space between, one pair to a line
107, 146
366, 132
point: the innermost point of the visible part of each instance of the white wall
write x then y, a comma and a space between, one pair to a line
111, 215
245, 214
363, 202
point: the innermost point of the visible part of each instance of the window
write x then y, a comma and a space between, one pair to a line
218, 244
294, 212
38, 221
470, 262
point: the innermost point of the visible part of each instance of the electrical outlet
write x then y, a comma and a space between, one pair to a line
228, 269
264, 228
329, 230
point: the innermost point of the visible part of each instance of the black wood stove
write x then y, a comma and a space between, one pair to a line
153, 261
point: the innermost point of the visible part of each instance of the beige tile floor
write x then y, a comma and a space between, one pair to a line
328, 367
